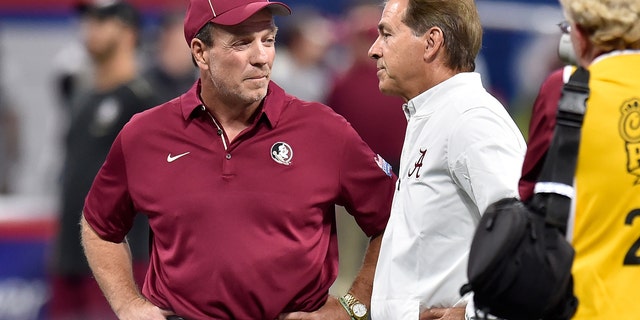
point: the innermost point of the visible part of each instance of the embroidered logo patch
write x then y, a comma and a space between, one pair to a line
282, 153
384, 165
418, 165
630, 132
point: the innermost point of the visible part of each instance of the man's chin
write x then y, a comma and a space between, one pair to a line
386, 90
256, 95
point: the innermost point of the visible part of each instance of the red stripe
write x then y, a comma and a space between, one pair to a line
32, 229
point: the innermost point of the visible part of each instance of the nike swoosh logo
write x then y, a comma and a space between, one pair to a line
174, 158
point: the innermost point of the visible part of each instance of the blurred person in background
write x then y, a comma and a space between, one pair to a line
110, 33
604, 225
240, 181
9, 133
301, 69
543, 114
462, 152
171, 72
541, 127
378, 118
73, 75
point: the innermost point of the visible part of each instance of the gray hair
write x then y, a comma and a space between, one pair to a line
610, 24
458, 20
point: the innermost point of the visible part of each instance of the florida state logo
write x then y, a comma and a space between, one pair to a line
282, 153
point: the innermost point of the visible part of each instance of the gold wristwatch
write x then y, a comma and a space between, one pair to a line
357, 309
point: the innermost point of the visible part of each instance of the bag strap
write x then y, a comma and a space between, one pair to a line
554, 189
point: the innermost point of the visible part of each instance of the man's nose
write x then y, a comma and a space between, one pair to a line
374, 52
260, 55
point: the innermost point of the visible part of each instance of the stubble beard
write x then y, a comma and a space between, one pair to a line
241, 93
238, 94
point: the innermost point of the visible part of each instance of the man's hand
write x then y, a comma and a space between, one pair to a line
455, 313
331, 310
142, 309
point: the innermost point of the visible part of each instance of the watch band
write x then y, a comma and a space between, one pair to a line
345, 305
357, 310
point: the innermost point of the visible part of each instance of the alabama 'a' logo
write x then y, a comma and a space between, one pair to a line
630, 132
282, 153
418, 164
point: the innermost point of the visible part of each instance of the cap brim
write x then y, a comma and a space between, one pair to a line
238, 15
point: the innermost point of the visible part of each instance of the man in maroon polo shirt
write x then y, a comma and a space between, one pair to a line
239, 181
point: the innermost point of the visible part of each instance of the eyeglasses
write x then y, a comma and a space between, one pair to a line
565, 27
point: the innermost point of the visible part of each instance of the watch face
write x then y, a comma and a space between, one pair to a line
359, 310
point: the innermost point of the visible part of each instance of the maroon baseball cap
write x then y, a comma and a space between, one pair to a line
225, 12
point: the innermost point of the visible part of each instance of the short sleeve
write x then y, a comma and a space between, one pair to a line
108, 208
367, 184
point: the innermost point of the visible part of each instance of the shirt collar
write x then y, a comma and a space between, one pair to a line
273, 103
422, 103
190, 101
613, 54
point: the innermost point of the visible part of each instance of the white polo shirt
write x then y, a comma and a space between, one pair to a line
462, 152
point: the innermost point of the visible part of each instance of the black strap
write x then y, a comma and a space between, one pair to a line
560, 164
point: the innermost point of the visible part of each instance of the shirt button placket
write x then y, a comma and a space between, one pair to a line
227, 166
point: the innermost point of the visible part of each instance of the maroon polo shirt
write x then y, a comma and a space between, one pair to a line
245, 231
541, 127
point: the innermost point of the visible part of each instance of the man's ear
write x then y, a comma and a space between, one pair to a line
199, 53
581, 44
433, 42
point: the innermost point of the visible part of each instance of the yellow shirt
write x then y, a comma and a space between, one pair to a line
606, 220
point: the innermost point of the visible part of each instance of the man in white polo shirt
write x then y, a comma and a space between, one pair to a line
462, 152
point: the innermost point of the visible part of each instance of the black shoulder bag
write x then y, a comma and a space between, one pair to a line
520, 262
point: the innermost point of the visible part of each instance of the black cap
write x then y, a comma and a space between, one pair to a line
121, 10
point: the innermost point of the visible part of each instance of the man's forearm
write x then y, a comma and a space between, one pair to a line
111, 265
363, 284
